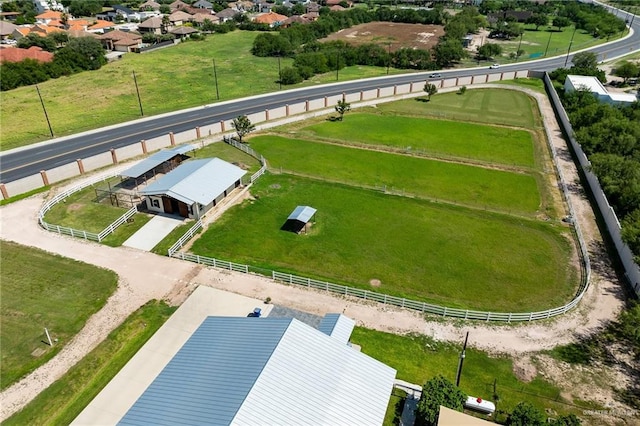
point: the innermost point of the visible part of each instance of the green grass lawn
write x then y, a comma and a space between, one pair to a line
417, 249
418, 358
61, 402
229, 154
458, 183
433, 137
43, 290
487, 106
162, 248
81, 212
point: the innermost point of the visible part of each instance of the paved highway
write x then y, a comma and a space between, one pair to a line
27, 161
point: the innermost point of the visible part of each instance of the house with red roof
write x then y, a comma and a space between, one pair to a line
16, 54
272, 19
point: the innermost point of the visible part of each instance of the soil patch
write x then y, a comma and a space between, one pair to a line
375, 282
398, 35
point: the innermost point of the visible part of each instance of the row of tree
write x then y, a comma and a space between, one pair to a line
610, 136
438, 391
77, 54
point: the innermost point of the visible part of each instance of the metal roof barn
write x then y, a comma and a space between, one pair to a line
337, 326
154, 160
196, 181
266, 371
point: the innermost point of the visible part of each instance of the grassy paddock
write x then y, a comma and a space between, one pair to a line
486, 106
458, 183
229, 154
418, 358
439, 137
43, 290
61, 402
417, 249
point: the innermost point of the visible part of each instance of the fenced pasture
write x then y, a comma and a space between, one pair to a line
399, 246
432, 137
479, 187
487, 106
229, 154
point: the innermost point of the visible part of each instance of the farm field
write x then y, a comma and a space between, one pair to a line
415, 248
439, 180
43, 290
433, 137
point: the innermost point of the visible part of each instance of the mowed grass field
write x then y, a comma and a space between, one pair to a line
457, 183
43, 290
489, 144
417, 249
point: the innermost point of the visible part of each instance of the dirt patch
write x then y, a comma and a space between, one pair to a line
524, 369
375, 282
397, 35
74, 207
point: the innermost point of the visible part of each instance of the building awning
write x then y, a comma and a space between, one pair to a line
302, 214
155, 160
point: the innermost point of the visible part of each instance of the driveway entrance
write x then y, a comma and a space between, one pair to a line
153, 232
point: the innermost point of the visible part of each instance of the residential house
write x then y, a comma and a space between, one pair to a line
199, 18
44, 5
177, 5
263, 7
9, 16
119, 13
7, 29
193, 188
591, 84
100, 26
227, 14
183, 32
338, 3
120, 41
180, 18
16, 54
337, 8
149, 6
234, 370
203, 4
48, 16
272, 19
295, 19
312, 7
153, 25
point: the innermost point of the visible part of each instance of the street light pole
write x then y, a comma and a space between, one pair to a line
45, 110
570, 44
135, 81
389, 61
279, 73
337, 63
215, 77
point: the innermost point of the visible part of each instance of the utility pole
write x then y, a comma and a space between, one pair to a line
215, 77
548, 43
462, 356
570, 44
389, 61
279, 73
337, 63
45, 110
135, 81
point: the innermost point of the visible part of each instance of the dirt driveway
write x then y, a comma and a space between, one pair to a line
145, 276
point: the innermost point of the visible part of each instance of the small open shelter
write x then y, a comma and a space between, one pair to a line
298, 219
161, 162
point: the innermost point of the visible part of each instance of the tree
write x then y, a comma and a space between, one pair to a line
85, 7
489, 50
585, 60
430, 89
538, 19
243, 126
561, 22
627, 70
525, 414
437, 391
447, 52
567, 420
342, 107
33, 39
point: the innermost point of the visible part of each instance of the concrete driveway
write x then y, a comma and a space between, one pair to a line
153, 232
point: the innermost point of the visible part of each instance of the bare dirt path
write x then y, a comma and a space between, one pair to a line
144, 276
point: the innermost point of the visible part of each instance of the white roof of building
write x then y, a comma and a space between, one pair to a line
265, 371
623, 97
587, 82
196, 181
302, 213
337, 326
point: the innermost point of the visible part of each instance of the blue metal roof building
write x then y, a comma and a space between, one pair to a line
155, 160
267, 371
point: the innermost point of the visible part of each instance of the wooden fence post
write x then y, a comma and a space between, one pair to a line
114, 157
80, 166
266, 115
144, 146
222, 129
198, 132
45, 179
3, 190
